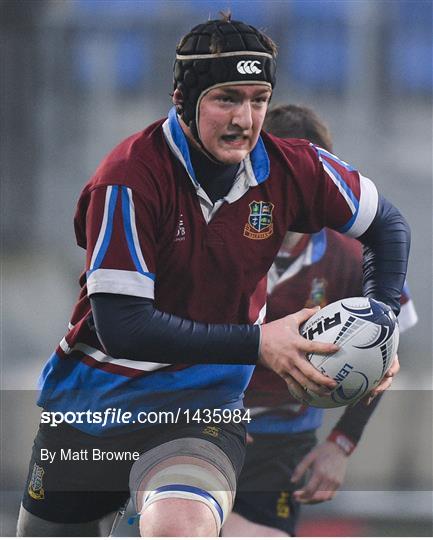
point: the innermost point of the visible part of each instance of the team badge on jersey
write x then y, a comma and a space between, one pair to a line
259, 226
318, 293
36, 490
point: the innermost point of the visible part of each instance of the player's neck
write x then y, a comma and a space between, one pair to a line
215, 178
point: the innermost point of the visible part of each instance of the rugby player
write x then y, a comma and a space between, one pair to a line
309, 270
181, 222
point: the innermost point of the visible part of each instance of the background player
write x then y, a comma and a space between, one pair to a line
180, 223
310, 270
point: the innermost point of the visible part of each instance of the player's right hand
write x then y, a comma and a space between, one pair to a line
283, 350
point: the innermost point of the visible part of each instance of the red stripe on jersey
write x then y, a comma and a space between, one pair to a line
108, 366
116, 369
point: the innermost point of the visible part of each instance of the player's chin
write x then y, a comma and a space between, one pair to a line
231, 155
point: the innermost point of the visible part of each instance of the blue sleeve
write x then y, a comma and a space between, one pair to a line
130, 327
386, 252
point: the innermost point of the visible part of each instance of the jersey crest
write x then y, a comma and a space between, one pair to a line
260, 225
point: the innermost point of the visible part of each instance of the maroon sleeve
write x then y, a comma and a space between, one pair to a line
329, 190
116, 222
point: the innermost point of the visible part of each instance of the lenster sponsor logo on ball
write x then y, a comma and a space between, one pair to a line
248, 67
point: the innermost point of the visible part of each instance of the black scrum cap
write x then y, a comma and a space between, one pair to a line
217, 53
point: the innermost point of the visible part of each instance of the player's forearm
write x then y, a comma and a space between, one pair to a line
386, 252
353, 422
130, 327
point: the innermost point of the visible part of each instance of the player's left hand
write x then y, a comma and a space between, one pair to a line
327, 463
386, 382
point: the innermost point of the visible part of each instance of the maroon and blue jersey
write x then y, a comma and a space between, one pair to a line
322, 268
150, 230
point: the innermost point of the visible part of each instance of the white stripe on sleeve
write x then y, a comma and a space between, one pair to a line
368, 202
120, 282
103, 227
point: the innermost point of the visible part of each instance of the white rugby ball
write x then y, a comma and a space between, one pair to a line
367, 333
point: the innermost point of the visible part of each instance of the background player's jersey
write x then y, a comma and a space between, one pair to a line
321, 269
150, 230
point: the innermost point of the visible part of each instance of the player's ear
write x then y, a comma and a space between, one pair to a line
178, 101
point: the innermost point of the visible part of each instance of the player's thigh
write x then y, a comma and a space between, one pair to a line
193, 475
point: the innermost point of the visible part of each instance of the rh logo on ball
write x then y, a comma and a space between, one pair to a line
366, 332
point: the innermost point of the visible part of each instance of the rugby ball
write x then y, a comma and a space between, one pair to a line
367, 333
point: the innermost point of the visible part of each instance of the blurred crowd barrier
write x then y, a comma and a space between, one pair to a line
82, 73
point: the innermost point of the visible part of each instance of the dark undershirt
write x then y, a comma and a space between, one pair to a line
215, 178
